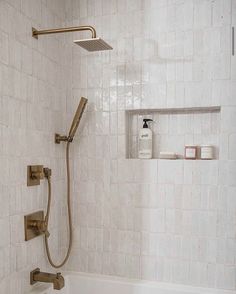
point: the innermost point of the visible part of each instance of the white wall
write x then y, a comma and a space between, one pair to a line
157, 220
171, 221
34, 87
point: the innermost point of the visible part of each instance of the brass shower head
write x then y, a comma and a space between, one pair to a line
93, 44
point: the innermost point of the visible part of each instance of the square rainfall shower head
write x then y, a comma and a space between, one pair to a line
94, 44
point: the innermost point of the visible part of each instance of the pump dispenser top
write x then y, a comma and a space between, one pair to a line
145, 120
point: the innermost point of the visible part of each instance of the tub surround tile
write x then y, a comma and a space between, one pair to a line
33, 97
169, 221
173, 221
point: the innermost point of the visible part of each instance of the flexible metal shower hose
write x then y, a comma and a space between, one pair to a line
69, 213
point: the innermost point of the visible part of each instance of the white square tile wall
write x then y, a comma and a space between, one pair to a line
170, 221
34, 94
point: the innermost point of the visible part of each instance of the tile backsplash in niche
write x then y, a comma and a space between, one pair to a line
174, 128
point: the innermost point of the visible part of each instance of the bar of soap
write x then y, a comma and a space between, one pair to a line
168, 155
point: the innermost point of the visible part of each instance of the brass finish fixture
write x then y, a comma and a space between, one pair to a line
75, 123
68, 139
47, 172
77, 117
59, 139
56, 279
35, 32
34, 225
34, 174
92, 44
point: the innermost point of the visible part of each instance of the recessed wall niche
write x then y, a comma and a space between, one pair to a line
173, 128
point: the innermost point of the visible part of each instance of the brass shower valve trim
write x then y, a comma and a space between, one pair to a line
35, 173
35, 225
39, 226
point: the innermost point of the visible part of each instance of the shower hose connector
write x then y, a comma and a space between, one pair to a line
47, 172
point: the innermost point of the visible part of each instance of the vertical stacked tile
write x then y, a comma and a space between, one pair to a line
34, 93
170, 221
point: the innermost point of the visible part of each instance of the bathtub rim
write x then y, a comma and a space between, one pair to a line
134, 282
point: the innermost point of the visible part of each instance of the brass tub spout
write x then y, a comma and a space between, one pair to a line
56, 279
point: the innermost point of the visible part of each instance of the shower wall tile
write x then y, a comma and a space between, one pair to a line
35, 77
169, 221
4, 51
170, 172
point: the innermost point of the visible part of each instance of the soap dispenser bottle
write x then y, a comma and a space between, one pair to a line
145, 140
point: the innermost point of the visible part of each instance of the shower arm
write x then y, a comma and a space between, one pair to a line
35, 32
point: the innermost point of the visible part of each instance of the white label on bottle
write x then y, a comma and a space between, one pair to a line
145, 145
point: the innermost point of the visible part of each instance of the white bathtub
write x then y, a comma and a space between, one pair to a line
77, 283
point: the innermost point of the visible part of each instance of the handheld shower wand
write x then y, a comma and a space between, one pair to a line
75, 123
77, 117
68, 139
